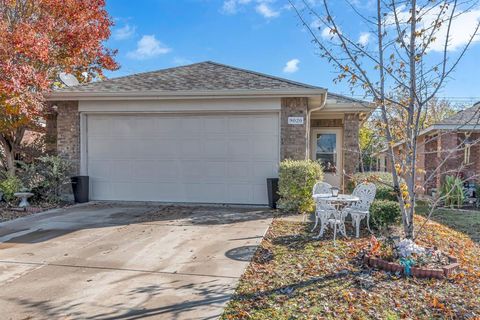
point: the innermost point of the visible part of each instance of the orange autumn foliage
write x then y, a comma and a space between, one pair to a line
38, 40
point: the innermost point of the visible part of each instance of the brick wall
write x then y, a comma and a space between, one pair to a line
472, 168
431, 163
322, 123
68, 133
351, 150
294, 138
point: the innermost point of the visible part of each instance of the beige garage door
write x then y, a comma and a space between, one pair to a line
182, 158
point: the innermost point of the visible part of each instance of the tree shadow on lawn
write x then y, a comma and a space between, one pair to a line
305, 236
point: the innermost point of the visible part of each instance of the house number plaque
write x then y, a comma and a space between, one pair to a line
295, 120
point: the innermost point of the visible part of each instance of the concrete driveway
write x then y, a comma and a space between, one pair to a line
126, 261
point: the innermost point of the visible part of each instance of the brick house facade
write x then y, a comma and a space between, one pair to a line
68, 129
450, 147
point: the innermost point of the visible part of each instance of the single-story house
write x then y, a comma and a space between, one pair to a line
449, 147
205, 132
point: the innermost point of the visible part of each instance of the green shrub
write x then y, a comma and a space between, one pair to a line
382, 180
46, 177
452, 191
296, 180
384, 213
9, 186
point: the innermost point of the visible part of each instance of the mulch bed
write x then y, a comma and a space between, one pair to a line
295, 277
9, 213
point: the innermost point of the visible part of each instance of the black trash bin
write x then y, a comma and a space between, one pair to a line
272, 188
80, 186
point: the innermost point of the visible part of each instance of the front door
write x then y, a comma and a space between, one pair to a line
327, 149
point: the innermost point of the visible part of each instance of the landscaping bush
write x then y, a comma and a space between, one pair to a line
384, 213
46, 177
382, 180
9, 186
452, 192
296, 180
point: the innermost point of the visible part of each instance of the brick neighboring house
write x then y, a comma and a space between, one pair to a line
449, 147
205, 132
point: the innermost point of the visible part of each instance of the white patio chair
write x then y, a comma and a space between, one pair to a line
361, 209
323, 213
320, 188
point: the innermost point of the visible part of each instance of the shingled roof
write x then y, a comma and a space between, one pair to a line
468, 116
203, 76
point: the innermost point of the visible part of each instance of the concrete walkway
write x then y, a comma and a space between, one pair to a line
126, 261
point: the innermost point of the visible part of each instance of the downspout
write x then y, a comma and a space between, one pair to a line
309, 112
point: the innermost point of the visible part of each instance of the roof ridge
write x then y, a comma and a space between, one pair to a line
264, 75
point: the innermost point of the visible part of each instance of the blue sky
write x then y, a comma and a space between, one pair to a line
261, 35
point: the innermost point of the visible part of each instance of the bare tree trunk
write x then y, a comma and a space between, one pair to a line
9, 154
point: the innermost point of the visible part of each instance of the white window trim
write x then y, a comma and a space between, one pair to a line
336, 130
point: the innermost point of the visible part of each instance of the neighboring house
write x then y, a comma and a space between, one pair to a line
449, 147
205, 132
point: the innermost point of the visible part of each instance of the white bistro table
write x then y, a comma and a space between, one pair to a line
338, 203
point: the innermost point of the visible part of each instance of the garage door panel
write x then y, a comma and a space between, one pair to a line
264, 146
215, 125
120, 171
99, 127
99, 169
215, 147
101, 190
190, 147
240, 124
215, 171
152, 170
240, 193
182, 158
239, 171
205, 192
192, 170
240, 148
262, 169
265, 125
192, 125
259, 193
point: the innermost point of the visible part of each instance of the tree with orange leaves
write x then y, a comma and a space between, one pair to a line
39, 39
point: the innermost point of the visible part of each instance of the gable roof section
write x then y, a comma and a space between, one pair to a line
465, 120
206, 78
468, 116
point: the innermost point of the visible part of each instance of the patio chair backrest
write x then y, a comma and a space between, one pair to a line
321, 187
366, 193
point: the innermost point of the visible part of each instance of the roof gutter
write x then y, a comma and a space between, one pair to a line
169, 95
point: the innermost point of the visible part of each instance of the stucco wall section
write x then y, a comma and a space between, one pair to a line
351, 150
68, 133
294, 138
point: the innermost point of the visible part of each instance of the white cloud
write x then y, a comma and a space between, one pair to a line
231, 6
460, 32
262, 7
364, 38
148, 47
125, 32
291, 66
265, 10
327, 33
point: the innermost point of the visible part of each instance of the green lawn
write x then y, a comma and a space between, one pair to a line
295, 277
466, 221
